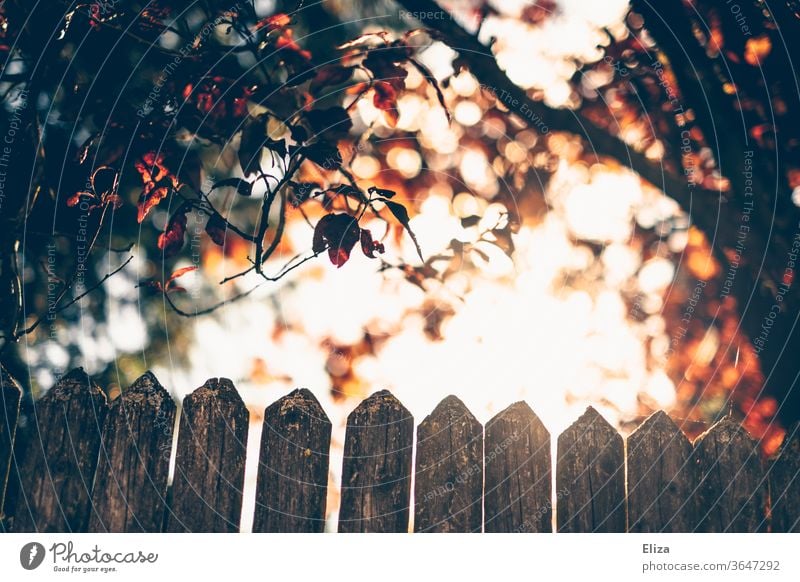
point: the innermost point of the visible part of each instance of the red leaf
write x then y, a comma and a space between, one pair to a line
385, 99
149, 199
369, 246
273, 22
154, 284
338, 233
179, 273
286, 41
383, 64
171, 240
216, 229
76, 198
112, 199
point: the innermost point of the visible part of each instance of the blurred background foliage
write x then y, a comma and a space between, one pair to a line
604, 196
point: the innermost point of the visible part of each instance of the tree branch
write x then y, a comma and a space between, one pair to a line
74, 300
542, 118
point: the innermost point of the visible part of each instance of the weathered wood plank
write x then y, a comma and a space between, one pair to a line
518, 472
293, 466
732, 494
784, 482
376, 469
209, 463
590, 476
131, 480
448, 486
10, 397
57, 463
661, 478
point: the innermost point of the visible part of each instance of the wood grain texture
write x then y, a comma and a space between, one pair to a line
661, 478
732, 494
10, 397
448, 488
590, 476
209, 463
293, 466
784, 482
517, 463
130, 485
376, 470
58, 460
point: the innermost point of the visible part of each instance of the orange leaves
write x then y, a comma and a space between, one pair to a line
385, 98
103, 190
274, 22
218, 98
286, 41
158, 183
285, 38
756, 50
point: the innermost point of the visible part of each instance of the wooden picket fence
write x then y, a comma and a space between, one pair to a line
80, 464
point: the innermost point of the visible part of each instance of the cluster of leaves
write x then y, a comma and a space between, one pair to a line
285, 108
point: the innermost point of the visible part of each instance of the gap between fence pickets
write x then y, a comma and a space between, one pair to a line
597, 482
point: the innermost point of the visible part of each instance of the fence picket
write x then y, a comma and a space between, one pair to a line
11, 394
518, 472
209, 464
293, 466
376, 470
58, 460
732, 492
590, 476
130, 486
785, 484
449, 470
661, 478
75, 464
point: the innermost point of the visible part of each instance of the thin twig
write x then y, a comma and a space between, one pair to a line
74, 300
211, 309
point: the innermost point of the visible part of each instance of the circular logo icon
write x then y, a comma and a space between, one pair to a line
31, 555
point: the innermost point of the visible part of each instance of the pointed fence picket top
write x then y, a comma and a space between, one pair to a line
517, 465
661, 478
137, 436
58, 460
732, 491
784, 482
209, 463
590, 476
376, 469
293, 466
10, 397
449, 470
78, 465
